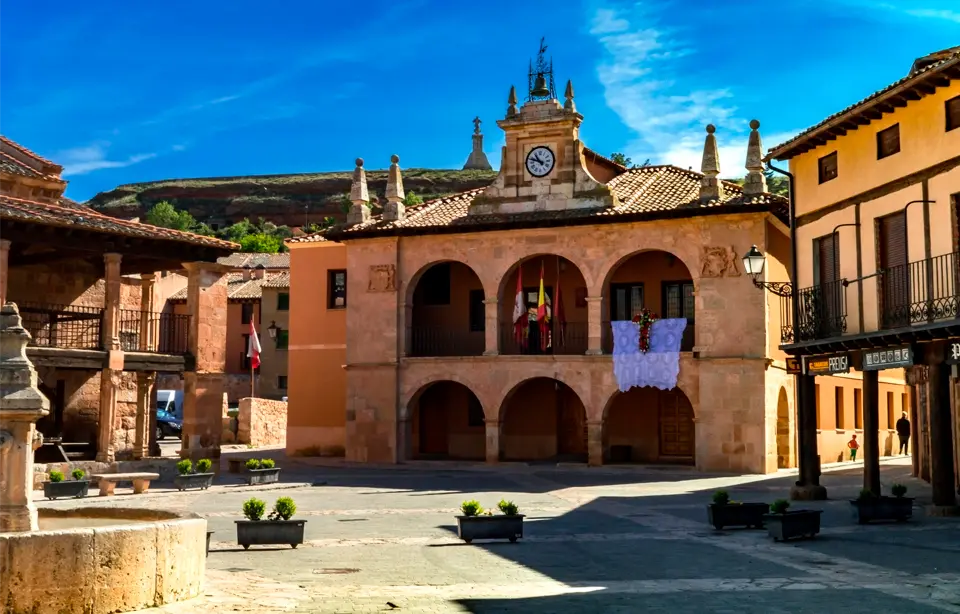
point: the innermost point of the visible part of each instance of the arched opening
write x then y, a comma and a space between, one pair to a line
448, 316
565, 298
541, 419
647, 425
447, 423
784, 459
654, 280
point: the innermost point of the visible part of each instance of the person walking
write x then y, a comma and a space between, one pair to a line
903, 432
854, 445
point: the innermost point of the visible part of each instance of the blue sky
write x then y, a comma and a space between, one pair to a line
120, 92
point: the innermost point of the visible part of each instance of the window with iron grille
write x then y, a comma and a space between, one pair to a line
888, 141
827, 167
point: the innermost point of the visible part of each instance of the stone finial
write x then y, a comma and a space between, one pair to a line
18, 378
394, 210
569, 106
755, 182
710, 186
512, 101
359, 196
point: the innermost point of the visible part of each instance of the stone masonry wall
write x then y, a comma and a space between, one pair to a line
262, 422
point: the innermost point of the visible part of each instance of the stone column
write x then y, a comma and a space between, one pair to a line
106, 425
203, 385
871, 431
4, 261
915, 436
491, 317
594, 444
148, 328
145, 382
21, 405
808, 486
111, 302
941, 435
594, 325
493, 441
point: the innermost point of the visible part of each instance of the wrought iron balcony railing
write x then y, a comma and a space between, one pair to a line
445, 342
822, 312
918, 292
146, 331
571, 340
63, 326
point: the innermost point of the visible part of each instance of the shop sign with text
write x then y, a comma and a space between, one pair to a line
890, 358
827, 365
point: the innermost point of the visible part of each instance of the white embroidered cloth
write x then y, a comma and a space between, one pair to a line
660, 366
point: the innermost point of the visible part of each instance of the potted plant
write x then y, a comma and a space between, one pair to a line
474, 523
189, 477
262, 471
870, 507
783, 524
56, 487
276, 529
726, 513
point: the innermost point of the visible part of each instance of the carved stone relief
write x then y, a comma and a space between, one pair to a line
382, 278
719, 262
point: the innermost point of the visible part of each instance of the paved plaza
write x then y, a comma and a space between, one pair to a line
595, 540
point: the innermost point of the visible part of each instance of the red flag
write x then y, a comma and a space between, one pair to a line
520, 319
253, 351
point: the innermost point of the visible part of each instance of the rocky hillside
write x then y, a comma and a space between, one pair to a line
281, 199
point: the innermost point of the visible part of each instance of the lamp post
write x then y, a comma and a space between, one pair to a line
272, 330
753, 262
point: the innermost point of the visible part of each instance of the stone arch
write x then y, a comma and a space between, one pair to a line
446, 421
411, 284
784, 440
616, 258
440, 317
543, 418
412, 391
648, 425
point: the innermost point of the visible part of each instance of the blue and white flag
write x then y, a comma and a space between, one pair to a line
660, 366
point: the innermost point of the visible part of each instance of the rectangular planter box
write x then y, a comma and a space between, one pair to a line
73, 488
202, 481
798, 523
899, 509
266, 532
748, 515
470, 528
263, 476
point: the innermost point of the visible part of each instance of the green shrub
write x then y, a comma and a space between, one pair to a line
471, 508
203, 465
252, 463
56, 476
267, 463
78, 474
185, 466
721, 497
254, 508
865, 494
898, 490
284, 509
507, 507
780, 506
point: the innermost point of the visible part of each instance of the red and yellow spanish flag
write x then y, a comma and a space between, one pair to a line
543, 314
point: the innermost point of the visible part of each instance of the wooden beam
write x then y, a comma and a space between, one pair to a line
46, 257
886, 108
911, 95
872, 114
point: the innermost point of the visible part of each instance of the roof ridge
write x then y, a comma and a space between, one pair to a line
28, 152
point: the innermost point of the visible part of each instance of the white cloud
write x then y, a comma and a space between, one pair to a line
643, 85
935, 14
93, 157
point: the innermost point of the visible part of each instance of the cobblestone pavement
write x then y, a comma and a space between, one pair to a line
595, 540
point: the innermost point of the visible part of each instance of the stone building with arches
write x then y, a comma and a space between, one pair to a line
402, 339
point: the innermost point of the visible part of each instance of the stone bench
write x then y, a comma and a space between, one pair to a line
108, 481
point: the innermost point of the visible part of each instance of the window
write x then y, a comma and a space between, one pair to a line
827, 167
816, 399
474, 412
888, 141
838, 406
857, 408
281, 382
283, 339
894, 292
678, 303
436, 285
336, 289
246, 313
891, 414
627, 301
283, 301
953, 113
477, 312
826, 259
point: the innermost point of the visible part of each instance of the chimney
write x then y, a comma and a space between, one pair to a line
710, 187
360, 209
394, 210
259, 271
756, 182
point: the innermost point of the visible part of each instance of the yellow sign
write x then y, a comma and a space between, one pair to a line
793, 366
828, 365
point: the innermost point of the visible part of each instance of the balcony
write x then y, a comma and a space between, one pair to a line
147, 331
823, 313
919, 292
686, 344
445, 342
568, 340
63, 326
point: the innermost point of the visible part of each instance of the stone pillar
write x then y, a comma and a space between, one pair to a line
915, 437
491, 316
4, 261
148, 327
941, 435
594, 325
21, 405
145, 382
111, 302
153, 446
594, 444
203, 385
871, 431
493, 441
106, 425
808, 486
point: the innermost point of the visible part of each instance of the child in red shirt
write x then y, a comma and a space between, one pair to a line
854, 446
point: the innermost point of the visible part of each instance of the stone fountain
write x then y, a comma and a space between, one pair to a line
90, 560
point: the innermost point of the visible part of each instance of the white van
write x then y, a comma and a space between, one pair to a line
170, 401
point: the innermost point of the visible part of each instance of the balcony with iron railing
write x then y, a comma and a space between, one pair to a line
566, 340
919, 292
436, 341
822, 313
157, 332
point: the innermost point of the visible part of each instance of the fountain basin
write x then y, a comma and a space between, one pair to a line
96, 560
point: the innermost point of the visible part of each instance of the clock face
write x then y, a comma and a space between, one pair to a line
540, 161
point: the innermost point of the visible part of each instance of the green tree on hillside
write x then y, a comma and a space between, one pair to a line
411, 199
165, 215
261, 243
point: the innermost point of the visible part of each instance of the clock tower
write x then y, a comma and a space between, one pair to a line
542, 166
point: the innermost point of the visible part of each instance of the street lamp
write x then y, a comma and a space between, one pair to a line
753, 262
272, 330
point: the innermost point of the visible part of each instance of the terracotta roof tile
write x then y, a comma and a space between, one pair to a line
314, 237
13, 166
27, 152
243, 260
280, 280
238, 288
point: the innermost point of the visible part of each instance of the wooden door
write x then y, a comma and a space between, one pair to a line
895, 280
676, 427
828, 299
433, 422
